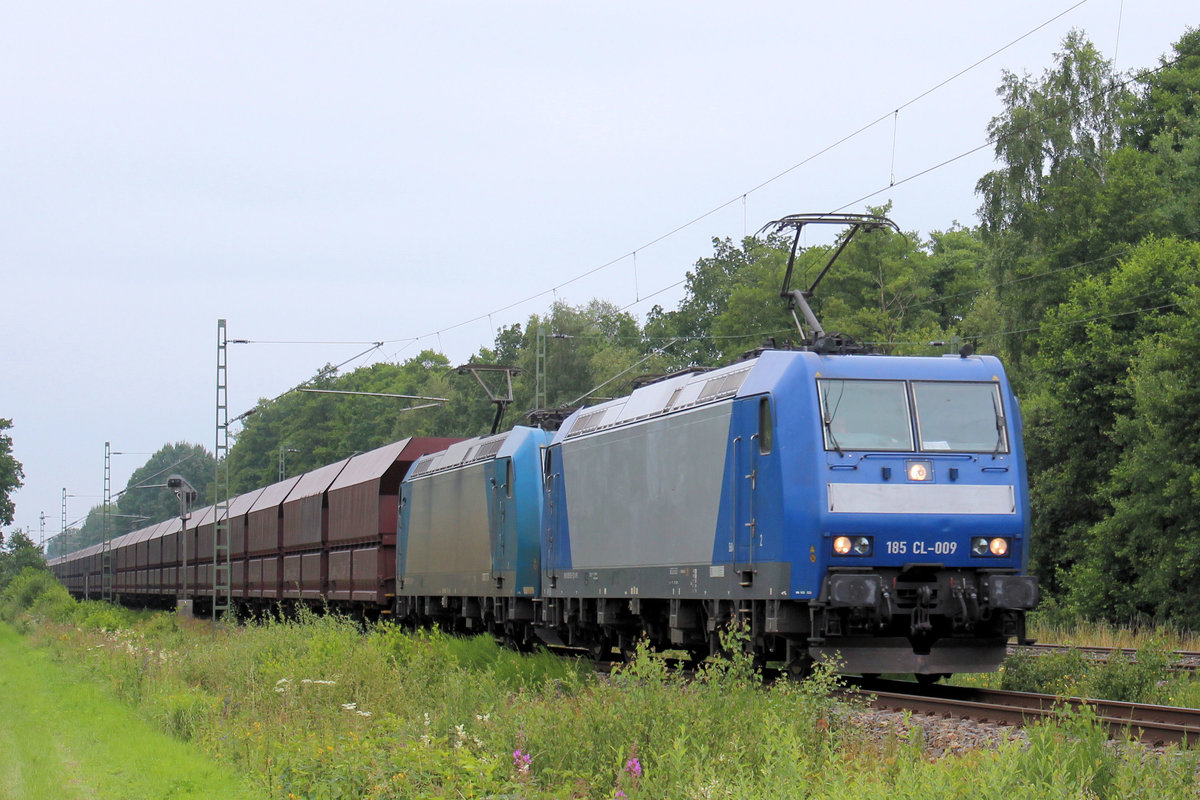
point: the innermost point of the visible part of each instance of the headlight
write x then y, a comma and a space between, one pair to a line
985, 547
852, 546
920, 471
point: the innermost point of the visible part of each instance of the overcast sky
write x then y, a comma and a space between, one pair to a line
361, 172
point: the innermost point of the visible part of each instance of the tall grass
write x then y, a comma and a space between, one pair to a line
317, 707
1054, 625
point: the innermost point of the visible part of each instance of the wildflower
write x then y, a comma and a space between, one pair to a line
282, 684
460, 736
363, 713
619, 795
349, 706
521, 761
483, 717
634, 767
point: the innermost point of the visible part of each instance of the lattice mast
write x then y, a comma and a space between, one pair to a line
221, 589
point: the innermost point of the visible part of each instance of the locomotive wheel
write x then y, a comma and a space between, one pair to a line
931, 678
800, 668
601, 650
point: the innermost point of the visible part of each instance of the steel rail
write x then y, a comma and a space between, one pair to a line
1150, 724
1182, 660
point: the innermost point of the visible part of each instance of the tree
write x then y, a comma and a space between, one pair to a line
313, 429
144, 502
1162, 127
1147, 549
16, 554
739, 271
11, 474
1088, 347
92, 530
1054, 140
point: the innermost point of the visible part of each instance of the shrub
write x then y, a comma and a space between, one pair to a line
35, 591
1061, 673
1138, 680
1141, 679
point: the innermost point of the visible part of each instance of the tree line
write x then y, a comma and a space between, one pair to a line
1082, 274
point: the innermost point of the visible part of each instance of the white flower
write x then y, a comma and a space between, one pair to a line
349, 706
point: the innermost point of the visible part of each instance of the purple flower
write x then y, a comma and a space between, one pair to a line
619, 795
521, 761
634, 767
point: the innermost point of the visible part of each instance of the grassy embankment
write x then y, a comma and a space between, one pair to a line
64, 736
317, 708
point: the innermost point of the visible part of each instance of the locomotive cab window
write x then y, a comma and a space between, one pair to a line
960, 417
865, 415
509, 476
764, 425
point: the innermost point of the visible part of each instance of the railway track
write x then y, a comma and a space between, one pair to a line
1150, 724
1182, 660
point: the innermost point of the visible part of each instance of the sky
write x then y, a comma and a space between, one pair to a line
325, 176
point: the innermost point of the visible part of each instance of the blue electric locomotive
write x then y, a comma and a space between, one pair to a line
870, 507
467, 550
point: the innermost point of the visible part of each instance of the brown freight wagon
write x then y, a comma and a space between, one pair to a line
328, 536
263, 525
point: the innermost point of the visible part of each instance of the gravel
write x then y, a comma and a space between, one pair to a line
938, 736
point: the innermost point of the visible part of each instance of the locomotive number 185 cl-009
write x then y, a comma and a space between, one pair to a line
919, 548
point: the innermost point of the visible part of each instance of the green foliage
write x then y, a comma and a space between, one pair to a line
32, 588
1102, 437
1071, 673
63, 736
306, 430
314, 707
1060, 674
138, 507
732, 303
1153, 530
17, 554
10, 474
1054, 140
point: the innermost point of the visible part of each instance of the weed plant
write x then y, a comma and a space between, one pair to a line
317, 707
1143, 678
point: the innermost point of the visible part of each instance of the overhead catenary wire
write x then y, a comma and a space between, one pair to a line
639, 298
324, 372
772, 179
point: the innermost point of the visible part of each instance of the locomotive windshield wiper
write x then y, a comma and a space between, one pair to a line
827, 418
999, 425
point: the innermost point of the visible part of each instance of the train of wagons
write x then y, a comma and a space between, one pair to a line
865, 508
